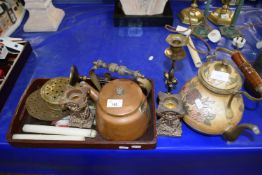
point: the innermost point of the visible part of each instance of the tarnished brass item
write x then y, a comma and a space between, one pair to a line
202, 30
213, 101
221, 16
170, 110
44, 104
192, 15
53, 90
174, 52
231, 2
76, 100
39, 109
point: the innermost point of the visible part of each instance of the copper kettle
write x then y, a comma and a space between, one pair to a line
213, 101
121, 106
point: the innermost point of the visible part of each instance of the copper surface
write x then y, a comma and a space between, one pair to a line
132, 97
126, 122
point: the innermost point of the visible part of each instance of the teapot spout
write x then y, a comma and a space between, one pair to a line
94, 94
233, 133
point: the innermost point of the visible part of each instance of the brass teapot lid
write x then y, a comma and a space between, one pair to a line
121, 97
220, 77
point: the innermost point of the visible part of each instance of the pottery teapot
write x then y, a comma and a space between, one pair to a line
213, 101
122, 112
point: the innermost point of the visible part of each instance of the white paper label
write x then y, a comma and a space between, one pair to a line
123, 147
198, 104
114, 103
224, 16
222, 76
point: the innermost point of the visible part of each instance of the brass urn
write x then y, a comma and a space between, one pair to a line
213, 101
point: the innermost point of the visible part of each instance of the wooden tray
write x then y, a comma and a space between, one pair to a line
12, 68
21, 117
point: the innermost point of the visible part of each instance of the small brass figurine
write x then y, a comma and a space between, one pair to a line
192, 15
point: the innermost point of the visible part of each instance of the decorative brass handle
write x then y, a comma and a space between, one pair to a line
229, 111
121, 70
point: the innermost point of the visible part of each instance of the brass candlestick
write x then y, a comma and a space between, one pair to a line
203, 29
175, 52
222, 16
192, 15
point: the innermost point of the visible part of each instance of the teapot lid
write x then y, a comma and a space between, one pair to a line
220, 77
121, 97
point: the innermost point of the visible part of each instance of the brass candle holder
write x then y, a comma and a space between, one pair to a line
222, 16
203, 29
175, 52
192, 15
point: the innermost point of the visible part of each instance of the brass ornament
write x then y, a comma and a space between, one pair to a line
192, 15
76, 100
170, 110
53, 90
221, 16
39, 109
175, 52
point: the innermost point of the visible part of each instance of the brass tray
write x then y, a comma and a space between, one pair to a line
21, 117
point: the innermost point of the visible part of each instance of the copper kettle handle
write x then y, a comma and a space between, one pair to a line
121, 70
229, 111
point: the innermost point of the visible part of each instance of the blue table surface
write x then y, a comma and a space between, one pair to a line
87, 34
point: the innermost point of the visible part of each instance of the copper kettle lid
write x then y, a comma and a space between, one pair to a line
120, 97
220, 77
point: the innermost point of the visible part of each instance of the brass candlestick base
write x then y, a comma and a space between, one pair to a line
229, 32
221, 16
201, 30
192, 15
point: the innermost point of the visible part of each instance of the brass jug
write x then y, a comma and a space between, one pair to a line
213, 101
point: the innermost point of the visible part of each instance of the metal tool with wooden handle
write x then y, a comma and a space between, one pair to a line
246, 68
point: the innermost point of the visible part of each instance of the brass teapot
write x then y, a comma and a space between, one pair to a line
213, 101
122, 112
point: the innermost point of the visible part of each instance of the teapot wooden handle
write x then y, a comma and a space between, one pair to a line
250, 73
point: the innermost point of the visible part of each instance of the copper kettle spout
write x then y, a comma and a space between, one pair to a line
233, 133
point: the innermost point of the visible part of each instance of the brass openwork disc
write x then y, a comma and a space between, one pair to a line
39, 109
53, 90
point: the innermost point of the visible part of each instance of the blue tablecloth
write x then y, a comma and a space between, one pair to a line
86, 34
